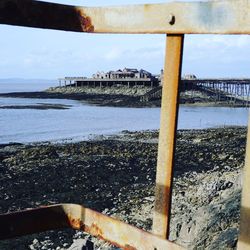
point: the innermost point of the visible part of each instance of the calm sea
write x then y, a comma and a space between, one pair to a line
83, 121
9, 85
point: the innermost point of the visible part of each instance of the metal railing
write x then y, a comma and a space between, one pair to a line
175, 20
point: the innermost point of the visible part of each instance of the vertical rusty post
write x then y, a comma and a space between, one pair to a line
167, 137
244, 238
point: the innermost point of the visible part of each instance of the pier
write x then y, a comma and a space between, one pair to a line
127, 77
233, 91
92, 82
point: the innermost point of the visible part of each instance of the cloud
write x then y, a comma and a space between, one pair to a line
219, 48
113, 54
149, 57
135, 53
41, 53
217, 55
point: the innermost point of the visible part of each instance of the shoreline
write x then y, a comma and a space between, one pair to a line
144, 136
117, 100
116, 176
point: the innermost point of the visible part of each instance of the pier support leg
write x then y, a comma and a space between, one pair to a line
167, 139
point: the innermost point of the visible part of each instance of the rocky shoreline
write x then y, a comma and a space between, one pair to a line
111, 100
122, 96
116, 174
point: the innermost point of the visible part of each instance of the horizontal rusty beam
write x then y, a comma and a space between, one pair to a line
44, 15
211, 17
80, 218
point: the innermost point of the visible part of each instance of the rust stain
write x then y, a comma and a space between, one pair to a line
85, 22
128, 247
56, 217
97, 232
94, 229
75, 223
147, 7
44, 15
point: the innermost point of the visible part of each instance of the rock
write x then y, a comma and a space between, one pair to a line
82, 244
35, 241
206, 193
31, 247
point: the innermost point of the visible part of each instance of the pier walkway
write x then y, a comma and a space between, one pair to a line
233, 91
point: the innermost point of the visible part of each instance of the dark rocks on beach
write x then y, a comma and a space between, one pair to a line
116, 176
40, 106
123, 96
96, 99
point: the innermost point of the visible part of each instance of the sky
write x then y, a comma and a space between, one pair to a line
49, 54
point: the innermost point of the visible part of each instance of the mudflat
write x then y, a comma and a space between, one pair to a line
116, 176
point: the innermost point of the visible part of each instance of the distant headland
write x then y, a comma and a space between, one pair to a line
148, 87
130, 87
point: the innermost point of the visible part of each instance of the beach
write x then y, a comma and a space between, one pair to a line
58, 153
115, 175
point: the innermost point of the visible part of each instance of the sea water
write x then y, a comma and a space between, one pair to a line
83, 121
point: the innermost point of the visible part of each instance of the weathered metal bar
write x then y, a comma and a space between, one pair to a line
244, 237
44, 15
32, 221
211, 17
78, 217
167, 137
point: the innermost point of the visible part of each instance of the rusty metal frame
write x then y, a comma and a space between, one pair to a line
175, 20
78, 217
167, 137
211, 17
244, 238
